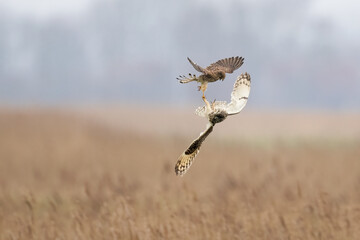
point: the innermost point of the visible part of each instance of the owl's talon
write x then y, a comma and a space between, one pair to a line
213, 104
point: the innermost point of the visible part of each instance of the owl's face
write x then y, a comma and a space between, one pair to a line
217, 117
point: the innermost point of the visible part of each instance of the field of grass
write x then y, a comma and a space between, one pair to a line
71, 175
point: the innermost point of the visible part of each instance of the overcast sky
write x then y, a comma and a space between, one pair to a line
100, 50
343, 12
44, 9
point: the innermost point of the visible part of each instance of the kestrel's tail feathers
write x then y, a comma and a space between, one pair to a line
197, 67
190, 78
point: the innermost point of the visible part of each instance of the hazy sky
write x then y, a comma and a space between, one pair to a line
54, 51
345, 13
43, 9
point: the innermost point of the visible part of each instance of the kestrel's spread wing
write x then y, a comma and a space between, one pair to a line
216, 71
227, 65
239, 97
186, 158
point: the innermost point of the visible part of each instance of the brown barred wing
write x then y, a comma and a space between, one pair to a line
227, 65
187, 158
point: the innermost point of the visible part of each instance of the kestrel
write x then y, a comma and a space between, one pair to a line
215, 112
216, 71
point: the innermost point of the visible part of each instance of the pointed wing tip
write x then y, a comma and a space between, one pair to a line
184, 162
239, 60
230, 64
180, 168
242, 79
178, 172
245, 76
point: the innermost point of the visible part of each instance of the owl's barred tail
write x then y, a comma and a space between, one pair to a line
184, 79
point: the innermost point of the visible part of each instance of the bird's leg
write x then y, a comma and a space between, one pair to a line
203, 87
207, 102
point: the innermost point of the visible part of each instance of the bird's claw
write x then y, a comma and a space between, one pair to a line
213, 104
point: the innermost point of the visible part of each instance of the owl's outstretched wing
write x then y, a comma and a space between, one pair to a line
197, 67
227, 65
240, 94
186, 158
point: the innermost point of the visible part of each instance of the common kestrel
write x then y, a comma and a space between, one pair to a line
213, 72
215, 112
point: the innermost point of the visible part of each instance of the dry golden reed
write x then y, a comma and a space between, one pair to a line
64, 177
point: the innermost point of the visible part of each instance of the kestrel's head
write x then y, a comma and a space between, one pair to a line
221, 75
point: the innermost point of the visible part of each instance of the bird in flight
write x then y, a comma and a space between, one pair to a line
213, 72
215, 112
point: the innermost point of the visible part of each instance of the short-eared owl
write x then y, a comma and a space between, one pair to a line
213, 72
215, 112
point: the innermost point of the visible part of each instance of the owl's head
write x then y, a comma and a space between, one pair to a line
217, 116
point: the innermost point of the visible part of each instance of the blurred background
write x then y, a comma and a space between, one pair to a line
300, 54
92, 120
